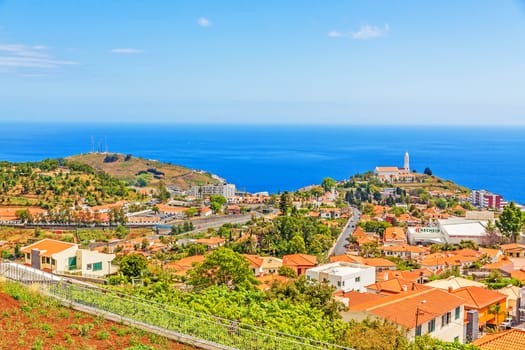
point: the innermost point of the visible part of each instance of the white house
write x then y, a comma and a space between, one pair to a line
344, 276
63, 257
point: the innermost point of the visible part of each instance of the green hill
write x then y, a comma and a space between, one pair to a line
144, 172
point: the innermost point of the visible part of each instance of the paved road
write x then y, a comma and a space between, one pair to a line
339, 246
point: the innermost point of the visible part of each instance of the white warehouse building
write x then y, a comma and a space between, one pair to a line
344, 276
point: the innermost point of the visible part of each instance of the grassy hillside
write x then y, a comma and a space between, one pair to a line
144, 172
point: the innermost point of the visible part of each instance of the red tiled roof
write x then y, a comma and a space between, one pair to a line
402, 308
512, 339
254, 260
477, 297
396, 286
48, 247
299, 260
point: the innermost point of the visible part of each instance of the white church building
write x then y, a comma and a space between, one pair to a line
396, 174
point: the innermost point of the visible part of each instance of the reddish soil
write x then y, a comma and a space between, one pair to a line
28, 326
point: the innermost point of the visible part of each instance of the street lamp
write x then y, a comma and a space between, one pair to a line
417, 315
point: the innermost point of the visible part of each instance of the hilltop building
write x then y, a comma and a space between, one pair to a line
394, 173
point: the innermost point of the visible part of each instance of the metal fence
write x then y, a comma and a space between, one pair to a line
198, 329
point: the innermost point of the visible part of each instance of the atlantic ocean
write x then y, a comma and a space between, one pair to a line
286, 157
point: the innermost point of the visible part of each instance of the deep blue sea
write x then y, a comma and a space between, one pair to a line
278, 158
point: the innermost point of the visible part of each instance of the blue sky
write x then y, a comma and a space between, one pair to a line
271, 61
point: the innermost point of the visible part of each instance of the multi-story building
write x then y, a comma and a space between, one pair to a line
225, 190
486, 199
343, 276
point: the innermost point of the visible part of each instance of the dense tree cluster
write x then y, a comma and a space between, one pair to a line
58, 183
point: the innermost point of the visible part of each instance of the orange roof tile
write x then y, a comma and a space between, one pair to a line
402, 308
48, 247
211, 240
512, 339
413, 275
394, 234
357, 298
490, 252
518, 274
299, 260
477, 297
254, 260
395, 286
359, 232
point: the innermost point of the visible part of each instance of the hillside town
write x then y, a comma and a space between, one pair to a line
425, 255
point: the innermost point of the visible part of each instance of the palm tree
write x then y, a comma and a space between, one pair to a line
495, 310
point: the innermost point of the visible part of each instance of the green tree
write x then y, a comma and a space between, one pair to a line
223, 267
218, 198
375, 334
190, 212
285, 202
287, 272
511, 221
328, 183
162, 194
216, 202
427, 171
215, 207
133, 265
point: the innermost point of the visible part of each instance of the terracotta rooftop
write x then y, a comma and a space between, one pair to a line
211, 240
376, 262
299, 260
477, 297
413, 275
48, 247
402, 308
512, 339
357, 298
254, 260
395, 286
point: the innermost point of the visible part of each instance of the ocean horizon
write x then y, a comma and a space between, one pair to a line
276, 158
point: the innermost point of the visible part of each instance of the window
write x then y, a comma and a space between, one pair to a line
358, 279
456, 339
89, 266
339, 283
72, 263
431, 325
418, 330
97, 266
458, 312
445, 319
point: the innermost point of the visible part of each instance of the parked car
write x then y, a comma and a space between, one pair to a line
506, 324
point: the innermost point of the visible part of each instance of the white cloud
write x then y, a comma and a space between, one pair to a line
14, 56
369, 32
204, 22
126, 51
335, 34
365, 32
